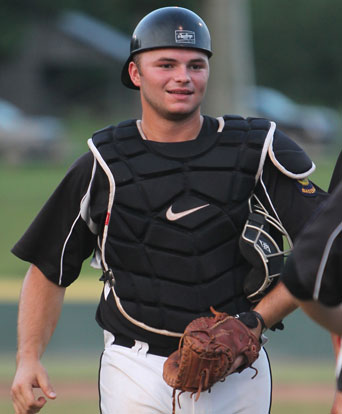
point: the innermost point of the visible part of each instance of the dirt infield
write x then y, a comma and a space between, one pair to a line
319, 393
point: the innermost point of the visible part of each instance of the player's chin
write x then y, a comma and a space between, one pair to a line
179, 115
180, 112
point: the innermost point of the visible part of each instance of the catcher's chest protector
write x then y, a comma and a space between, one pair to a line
177, 213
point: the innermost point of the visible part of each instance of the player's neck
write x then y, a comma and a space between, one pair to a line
163, 130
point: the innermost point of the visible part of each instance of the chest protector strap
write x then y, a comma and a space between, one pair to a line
108, 276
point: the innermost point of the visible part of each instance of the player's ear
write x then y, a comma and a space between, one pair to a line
134, 73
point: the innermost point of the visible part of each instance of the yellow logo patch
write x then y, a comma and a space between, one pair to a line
306, 187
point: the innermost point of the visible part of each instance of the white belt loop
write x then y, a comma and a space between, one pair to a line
141, 348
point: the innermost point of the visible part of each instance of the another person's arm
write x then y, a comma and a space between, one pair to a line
328, 317
337, 403
313, 272
39, 310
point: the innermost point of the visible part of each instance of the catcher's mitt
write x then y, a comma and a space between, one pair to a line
207, 351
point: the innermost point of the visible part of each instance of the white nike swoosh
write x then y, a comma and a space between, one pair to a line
171, 216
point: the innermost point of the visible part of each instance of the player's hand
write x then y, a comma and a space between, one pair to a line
29, 375
337, 404
257, 331
240, 361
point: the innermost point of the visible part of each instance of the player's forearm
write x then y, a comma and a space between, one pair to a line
336, 343
328, 317
276, 305
39, 309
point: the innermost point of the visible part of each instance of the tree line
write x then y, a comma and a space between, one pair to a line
295, 42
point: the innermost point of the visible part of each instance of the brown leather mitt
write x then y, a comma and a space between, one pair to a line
207, 351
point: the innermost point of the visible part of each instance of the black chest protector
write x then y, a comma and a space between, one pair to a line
175, 215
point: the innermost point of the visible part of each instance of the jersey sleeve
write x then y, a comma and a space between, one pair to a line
61, 237
294, 201
337, 174
314, 269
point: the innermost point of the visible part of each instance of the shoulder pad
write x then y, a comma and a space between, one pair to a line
103, 135
289, 157
245, 124
122, 130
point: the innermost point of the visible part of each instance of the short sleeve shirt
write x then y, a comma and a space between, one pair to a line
66, 230
315, 267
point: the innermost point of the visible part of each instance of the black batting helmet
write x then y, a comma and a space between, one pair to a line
174, 27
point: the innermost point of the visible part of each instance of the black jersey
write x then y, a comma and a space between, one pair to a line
314, 269
67, 229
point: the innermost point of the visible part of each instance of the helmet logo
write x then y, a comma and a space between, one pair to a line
185, 36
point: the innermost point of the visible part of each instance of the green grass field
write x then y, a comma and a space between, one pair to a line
25, 188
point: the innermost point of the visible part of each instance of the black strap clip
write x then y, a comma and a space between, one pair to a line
108, 276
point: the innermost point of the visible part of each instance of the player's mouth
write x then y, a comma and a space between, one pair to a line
180, 92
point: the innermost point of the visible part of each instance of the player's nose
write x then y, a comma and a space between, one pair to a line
182, 74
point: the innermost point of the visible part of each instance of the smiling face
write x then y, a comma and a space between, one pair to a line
172, 82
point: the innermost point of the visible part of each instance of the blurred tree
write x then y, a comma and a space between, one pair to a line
296, 42
297, 48
232, 66
13, 28
121, 13
17, 15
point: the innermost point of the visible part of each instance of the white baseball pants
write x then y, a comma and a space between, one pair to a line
130, 381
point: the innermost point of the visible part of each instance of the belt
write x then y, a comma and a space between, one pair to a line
123, 340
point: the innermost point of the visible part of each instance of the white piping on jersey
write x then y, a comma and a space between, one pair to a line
112, 188
324, 260
84, 204
85, 211
64, 247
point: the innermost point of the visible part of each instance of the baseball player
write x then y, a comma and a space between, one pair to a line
337, 403
337, 339
313, 272
183, 213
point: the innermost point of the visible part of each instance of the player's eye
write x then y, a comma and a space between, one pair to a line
197, 66
166, 65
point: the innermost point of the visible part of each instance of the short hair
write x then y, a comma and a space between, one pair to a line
136, 59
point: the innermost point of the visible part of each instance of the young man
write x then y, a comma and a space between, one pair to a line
161, 204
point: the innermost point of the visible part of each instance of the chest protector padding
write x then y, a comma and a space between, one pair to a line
178, 212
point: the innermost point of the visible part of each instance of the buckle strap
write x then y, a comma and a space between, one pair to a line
108, 276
